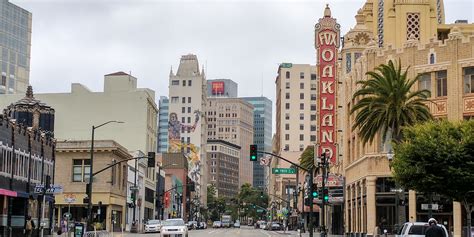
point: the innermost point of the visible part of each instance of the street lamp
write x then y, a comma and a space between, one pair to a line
89, 187
160, 212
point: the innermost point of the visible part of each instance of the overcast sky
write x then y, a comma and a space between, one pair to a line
82, 40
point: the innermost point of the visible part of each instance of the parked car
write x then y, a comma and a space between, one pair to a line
192, 225
174, 227
202, 225
417, 229
217, 224
237, 224
263, 225
275, 226
152, 226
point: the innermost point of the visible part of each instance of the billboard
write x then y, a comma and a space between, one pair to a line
327, 33
217, 87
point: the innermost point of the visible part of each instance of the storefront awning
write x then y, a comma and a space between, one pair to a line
7, 192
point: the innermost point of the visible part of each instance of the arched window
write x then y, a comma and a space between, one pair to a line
287, 75
432, 58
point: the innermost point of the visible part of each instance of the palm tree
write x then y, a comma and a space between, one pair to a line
388, 103
307, 158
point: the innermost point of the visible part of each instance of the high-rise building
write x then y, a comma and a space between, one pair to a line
222, 88
15, 44
296, 88
163, 119
262, 136
187, 131
223, 161
231, 120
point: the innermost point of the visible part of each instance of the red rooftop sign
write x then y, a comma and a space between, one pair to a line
327, 43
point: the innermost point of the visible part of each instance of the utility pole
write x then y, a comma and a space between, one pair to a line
323, 210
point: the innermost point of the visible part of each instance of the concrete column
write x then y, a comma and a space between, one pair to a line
362, 206
457, 219
347, 204
371, 210
108, 218
412, 205
357, 215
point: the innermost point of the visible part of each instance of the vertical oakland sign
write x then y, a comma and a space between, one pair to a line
327, 32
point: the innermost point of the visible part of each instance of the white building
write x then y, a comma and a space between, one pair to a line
187, 127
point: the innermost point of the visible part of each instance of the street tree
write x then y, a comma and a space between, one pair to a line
386, 102
307, 158
438, 157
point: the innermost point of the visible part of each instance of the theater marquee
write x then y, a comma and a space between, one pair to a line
327, 43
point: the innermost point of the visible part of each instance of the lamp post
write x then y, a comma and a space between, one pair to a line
397, 190
89, 187
160, 212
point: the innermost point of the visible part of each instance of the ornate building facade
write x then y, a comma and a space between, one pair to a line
412, 32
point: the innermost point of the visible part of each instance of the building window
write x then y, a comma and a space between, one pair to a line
287, 75
174, 99
189, 119
301, 147
183, 120
313, 138
313, 77
313, 96
301, 85
189, 99
301, 126
413, 26
313, 86
190, 83
287, 105
287, 126
81, 170
301, 75
188, 140
468, 75
287, 85
301, 116
174, 82
189, 109
287, 147
301, 137
184, 82
287, 116
301, 105
183, 110
424, 83
313, 117
287, 137
313, 127
313, 107
183, 100
287, 95
301, 96
348, 62
432, 58
441, 83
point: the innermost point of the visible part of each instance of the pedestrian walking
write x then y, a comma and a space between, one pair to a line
30, 225
434, 230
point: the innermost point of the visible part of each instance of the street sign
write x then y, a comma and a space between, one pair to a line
260, 210
69, 198
396, 190
53, 189
132, 188
427, 206
283, 171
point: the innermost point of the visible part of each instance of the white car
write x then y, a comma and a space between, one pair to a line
417, 229
152, 226
174, 227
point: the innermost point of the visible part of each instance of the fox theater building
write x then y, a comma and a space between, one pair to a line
413, 32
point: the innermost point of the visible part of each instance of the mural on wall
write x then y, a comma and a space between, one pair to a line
176, 145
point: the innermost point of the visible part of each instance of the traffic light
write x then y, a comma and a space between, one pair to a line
253, 152
261, 195
132, 197
315, 191
151, 159
326, 194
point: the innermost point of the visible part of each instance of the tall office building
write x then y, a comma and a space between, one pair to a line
15, 45
223, 161
231, 120
222, 88
163, 112
262, 135
187, 131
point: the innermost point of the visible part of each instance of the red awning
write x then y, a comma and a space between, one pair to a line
7, 192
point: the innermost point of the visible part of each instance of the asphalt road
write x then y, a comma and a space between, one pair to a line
244, 232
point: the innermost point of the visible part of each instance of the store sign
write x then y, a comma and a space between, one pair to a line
217, 87
327, 43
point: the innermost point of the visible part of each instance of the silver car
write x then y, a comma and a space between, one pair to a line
152, 226
175, 227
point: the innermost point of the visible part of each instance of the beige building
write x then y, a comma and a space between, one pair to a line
187, 126
223, 162
110, 187
77, 111
231, 120
296, 90
414, 32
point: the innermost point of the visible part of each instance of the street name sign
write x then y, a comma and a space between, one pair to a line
53, 189
427, 206
283, 171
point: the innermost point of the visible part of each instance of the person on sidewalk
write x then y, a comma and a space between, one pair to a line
30, 226
434, 230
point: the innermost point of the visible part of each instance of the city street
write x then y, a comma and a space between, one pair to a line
244, 231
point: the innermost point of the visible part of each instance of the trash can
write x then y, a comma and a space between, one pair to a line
79, 230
